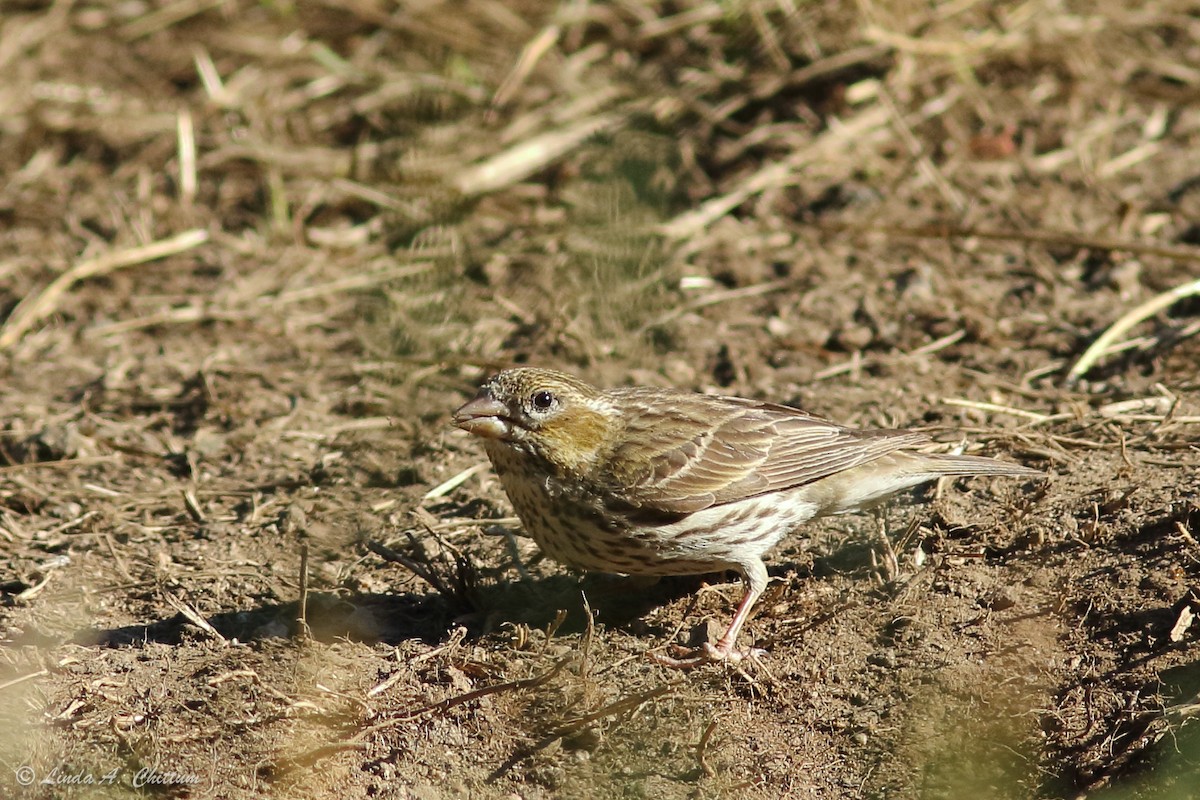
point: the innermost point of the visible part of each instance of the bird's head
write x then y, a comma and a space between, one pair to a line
550, 414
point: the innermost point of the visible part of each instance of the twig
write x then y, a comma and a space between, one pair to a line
165, 17
21, 679
175, 316
116, 556
722, 296
449, 485
531, 54
514, 552
995, 408
1070, 238
869, 126
531, 155
37, 307
186, 134
193, 616
210, 78
585, 648
388, 682
857, 362
1137, 410
775, 174
702, 750
571, 726
658, 27
458, 700
560, 617
66, 526
924, 163
62, 463
770, 40
352, 283
421, 570
957, 47
192, 504
193, 313
616, 707
454, 640
33, 591
1185, 710
305, 630
1127, 321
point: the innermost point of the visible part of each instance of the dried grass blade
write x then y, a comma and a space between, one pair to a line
1127, 321
526, 158
37, 307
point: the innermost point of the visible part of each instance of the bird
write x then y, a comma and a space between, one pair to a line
654, 482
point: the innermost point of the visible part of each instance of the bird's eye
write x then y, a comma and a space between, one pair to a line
542, 400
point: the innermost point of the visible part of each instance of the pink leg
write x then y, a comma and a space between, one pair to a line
725, 649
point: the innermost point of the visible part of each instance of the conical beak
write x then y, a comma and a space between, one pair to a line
484, 416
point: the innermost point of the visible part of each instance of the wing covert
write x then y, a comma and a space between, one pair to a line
702, 451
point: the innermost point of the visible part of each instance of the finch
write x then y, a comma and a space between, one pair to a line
646, 481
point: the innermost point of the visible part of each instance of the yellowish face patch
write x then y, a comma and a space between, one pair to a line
574, 438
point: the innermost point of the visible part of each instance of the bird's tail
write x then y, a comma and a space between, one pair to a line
952, 465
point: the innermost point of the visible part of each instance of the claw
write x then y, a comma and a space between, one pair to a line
707, 654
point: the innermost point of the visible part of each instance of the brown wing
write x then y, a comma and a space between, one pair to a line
686, 452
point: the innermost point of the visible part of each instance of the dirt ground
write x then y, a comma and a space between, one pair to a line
254, 254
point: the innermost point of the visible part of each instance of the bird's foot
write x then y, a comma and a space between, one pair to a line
708, 653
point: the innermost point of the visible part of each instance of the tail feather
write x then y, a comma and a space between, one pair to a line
951, 465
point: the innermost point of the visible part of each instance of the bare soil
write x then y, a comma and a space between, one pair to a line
253, 254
